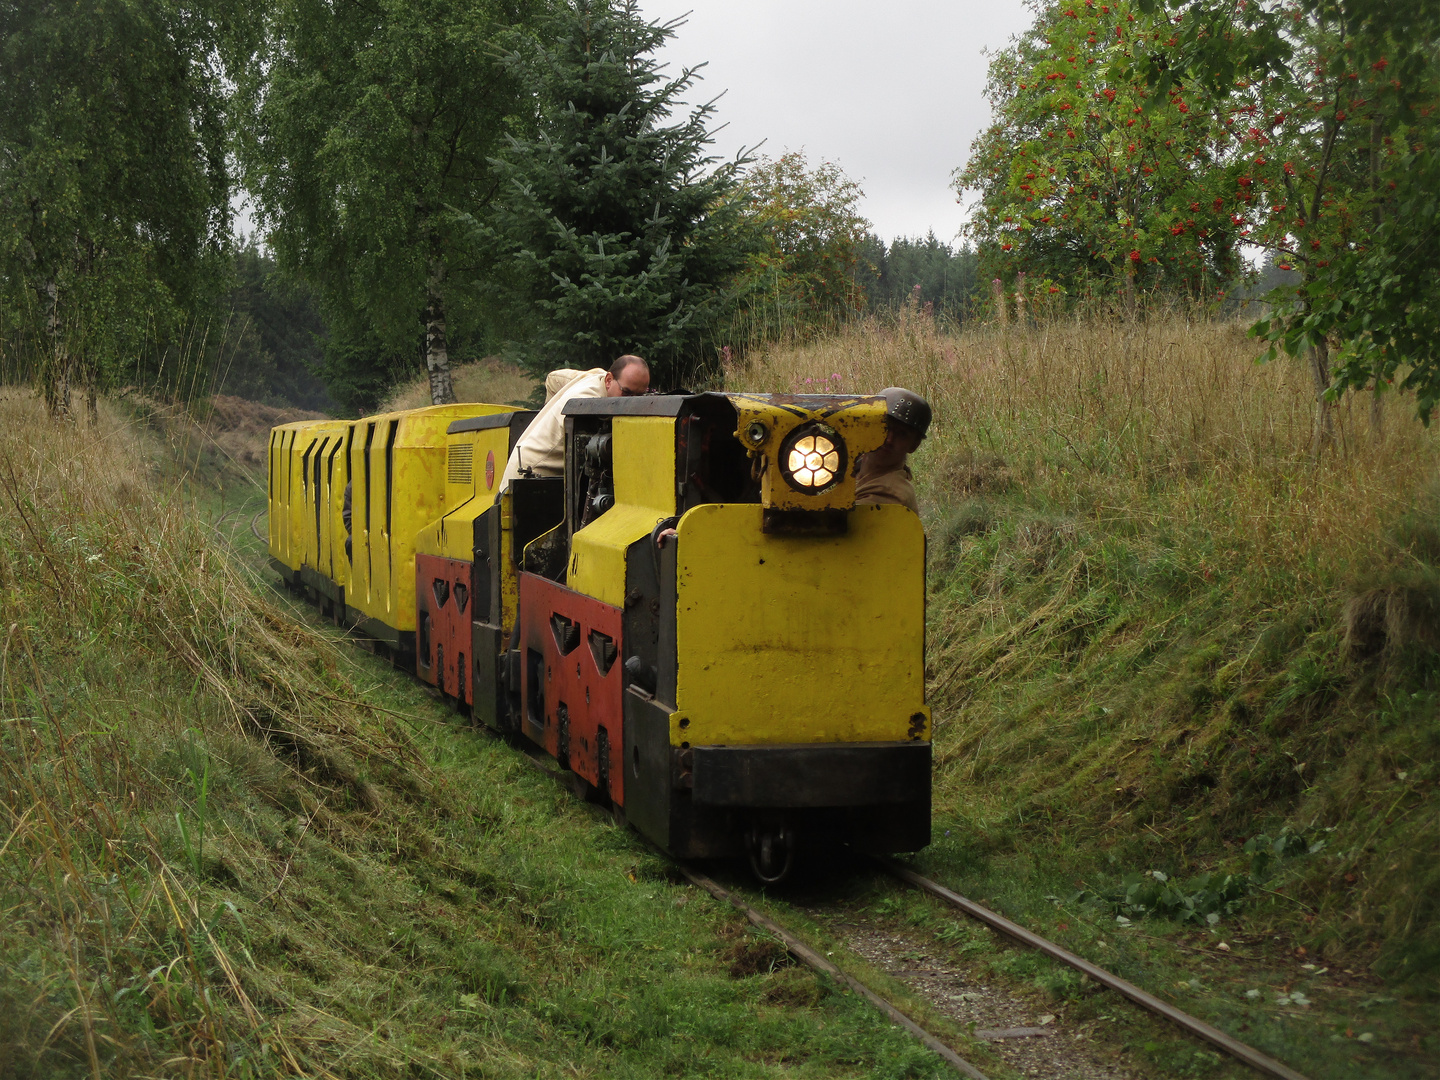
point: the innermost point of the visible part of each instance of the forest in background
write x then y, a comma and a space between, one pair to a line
477, 178
1184, 667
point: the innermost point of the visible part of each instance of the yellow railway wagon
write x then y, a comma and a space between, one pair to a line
305, 494
395, 466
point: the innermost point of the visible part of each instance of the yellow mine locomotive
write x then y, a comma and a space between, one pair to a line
696, 619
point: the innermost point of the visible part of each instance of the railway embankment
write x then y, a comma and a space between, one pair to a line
1184, 675
232, 844
1184, 671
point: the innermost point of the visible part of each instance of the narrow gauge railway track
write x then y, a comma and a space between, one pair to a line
812, 959
1233, 1047
808, 956
218, 524
1217, 1038
1247, 1055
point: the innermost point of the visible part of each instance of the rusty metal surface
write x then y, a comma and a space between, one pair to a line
1234, 1047
450, 618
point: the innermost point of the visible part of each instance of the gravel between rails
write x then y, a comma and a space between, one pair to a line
1061, 1049
814, 960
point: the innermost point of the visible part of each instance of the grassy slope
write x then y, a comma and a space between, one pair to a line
215, 861
1158, 630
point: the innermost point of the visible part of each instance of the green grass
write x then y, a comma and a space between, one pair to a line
1117, 693
1159, 628
233, 845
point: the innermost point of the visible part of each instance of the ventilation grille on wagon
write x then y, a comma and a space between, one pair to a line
460, 460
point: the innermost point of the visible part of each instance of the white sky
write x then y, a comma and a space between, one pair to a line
891, 92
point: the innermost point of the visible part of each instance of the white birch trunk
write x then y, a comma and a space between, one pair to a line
56, 377
437, 356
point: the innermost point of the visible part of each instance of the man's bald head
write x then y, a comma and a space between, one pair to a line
629, 376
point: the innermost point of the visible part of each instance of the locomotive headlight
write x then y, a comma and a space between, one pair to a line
813, 458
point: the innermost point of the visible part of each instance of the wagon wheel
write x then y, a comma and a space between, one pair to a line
772, 853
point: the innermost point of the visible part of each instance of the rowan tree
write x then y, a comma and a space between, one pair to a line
1335, 110
1082, 178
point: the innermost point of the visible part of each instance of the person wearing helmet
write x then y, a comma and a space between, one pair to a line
883, 476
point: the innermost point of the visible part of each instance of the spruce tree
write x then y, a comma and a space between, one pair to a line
614, 222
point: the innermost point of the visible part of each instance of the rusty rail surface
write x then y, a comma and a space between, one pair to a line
1234, 1047
793, 945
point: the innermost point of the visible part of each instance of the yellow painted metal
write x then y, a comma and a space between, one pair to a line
859, 422
467, 492
323, 491
292, 539
295, 529
786, 639
310, 504
399, 467
357, 595
509, 572
275, 509
643, 453
644, 461
285, 477
333, 563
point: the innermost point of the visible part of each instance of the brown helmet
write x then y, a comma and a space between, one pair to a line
906, 407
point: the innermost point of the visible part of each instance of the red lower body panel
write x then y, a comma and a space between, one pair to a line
442, 625
572, 683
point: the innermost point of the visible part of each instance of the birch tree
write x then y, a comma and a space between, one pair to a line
370, 128
114, 189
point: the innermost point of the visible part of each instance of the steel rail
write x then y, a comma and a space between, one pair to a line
1195, 1026
813, 959
254, 531
793, 945
220, 521
1234, 1047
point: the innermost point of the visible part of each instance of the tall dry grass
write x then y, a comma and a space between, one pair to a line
138, 664
1100, 414
488, 380
1158, 626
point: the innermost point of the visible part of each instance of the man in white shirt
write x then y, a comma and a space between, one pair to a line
541, 450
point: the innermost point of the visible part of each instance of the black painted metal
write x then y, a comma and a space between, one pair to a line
811, 774
490, 422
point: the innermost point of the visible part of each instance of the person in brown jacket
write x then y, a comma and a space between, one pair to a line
883, 476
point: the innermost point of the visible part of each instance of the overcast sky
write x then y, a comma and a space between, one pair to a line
891, 92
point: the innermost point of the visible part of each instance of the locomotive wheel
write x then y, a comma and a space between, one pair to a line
772, 853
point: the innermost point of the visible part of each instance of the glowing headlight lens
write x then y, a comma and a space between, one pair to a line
812, 462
